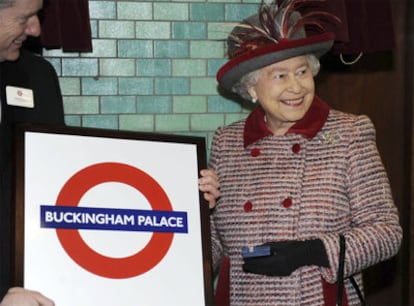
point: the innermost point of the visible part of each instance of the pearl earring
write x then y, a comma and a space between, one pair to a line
254, 100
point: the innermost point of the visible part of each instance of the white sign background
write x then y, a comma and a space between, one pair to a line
50, 160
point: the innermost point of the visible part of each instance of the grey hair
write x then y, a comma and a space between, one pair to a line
6, 3
249, 80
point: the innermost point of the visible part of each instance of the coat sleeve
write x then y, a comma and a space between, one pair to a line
374, 233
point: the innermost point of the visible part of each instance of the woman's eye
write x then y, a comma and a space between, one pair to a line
279, 76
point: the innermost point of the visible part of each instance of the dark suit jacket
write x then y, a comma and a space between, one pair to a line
32, 72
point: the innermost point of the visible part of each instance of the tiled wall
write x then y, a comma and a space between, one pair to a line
152, 67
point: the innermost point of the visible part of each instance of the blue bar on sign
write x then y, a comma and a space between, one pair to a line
92, 218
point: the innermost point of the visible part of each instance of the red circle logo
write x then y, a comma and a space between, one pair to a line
96, 263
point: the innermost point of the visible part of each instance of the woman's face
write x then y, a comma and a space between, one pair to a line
285, 90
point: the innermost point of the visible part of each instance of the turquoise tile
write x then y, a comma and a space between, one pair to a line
135, 48
117, 67
81, 105
206, 11
172, 122
154, 104
238, 12
79, 67
70, 86
171, 49
189, 30
204, 86
213, 66
134, 10
102, 48
207, 49
136, 86
172, 86
100, 121
116, 29
118, 105
153, 67
153, 30
56, 63
170, 11
99, 86
73, 120
189, 67
102, 9
217, 104
231, 118
189, 104
206, 122
144, 123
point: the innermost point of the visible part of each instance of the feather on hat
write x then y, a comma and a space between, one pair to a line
275, 33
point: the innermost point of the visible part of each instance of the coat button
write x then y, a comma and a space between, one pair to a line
287, 202
296, 148
248, 206
255, 152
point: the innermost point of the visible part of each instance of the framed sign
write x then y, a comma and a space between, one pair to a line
111, 218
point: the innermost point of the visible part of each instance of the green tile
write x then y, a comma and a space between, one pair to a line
172, 86
206, 122
172, 122
56, 63
102, 9
217, 104
213, 66
219, 30
70, 86
73, 120
189, 67
203, 86
207, 49
153, 67
189, 104
102, 48
154, 104
230, 118
81, 105
238, 12
99, 86
135, 48
100, 121
79, 67
136, 86
118, 105
206, 11
171, 49
143, 123
134, 11
170, 11
153, 30
116, 29
117, 67
189, 30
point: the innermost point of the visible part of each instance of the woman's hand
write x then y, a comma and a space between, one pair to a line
17, 296
209, 184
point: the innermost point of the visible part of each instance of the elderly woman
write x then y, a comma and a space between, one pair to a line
294, 176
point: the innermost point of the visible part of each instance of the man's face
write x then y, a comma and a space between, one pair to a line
17, 22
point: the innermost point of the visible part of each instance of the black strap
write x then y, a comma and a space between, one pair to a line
340, 270
341, 276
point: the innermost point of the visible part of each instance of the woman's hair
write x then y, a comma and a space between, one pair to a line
6, 3
250, 79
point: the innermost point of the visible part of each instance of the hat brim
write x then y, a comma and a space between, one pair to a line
231, 72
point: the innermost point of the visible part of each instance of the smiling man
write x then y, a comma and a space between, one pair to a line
29, 92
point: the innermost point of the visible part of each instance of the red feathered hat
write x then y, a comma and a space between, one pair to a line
275, 33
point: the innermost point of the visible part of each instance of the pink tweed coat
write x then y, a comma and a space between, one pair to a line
324, 177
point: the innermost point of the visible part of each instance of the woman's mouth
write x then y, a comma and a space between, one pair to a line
292, 102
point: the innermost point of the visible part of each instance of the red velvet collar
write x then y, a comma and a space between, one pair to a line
255, 127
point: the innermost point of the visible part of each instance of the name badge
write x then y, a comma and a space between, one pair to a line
17, 96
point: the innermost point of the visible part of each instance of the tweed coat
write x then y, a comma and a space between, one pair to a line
323, 177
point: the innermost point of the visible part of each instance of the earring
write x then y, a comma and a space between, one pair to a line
254, 100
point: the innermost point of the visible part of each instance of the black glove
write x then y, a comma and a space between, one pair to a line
287, 256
